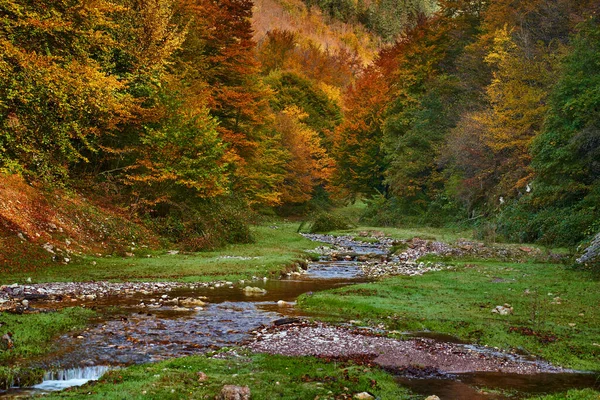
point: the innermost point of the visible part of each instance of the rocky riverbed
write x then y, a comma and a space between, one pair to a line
22, 298
408, 356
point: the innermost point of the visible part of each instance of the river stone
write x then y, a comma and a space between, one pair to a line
506, 309
252, 289
432, 397
363, 396
232, 392
189, 302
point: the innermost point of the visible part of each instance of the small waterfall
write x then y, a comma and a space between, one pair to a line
64, 378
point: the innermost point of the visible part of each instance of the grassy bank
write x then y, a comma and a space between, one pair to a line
32, 336
276, 246
267, 376
556, 313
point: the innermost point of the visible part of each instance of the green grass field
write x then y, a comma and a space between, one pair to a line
267, 376
556, 313
32, 335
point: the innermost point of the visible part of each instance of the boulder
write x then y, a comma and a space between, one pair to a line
363, 396
191, 302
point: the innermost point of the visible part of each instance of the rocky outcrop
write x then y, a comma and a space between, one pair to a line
591, 255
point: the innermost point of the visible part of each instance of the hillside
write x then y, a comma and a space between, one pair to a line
39, 227
312, 25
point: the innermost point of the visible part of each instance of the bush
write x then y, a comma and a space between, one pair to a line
326, 222
554, 225
205, 225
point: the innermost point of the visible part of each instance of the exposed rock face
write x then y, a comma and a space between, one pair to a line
232, 392
592, 253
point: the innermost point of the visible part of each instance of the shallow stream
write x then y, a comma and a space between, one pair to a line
139, 328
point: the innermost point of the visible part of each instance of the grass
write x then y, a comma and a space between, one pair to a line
584, 394
459, 302
276, 246
267, 376
32, 335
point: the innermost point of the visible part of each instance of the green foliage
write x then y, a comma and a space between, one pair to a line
563, 205
386, 18
327, 222
395, 211
203, 225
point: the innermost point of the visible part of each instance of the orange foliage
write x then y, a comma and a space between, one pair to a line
308, 164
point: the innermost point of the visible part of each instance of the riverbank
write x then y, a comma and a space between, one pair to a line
547, 310
277, 249
277, 246
266, 376
25, 337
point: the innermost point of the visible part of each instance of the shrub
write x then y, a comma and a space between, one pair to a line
326, 222
203, 225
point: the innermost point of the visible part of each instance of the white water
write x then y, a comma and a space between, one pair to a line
65, 378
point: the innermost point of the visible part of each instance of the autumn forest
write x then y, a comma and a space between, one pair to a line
452, 112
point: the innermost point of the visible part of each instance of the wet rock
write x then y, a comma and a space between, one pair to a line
232, 392
254, 290
190, 302
285, 321
282, 303
363, 396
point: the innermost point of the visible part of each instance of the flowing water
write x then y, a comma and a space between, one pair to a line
139, 328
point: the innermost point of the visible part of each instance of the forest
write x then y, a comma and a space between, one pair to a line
472, 112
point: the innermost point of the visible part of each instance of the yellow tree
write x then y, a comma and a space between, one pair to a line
308, 164
517, 105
